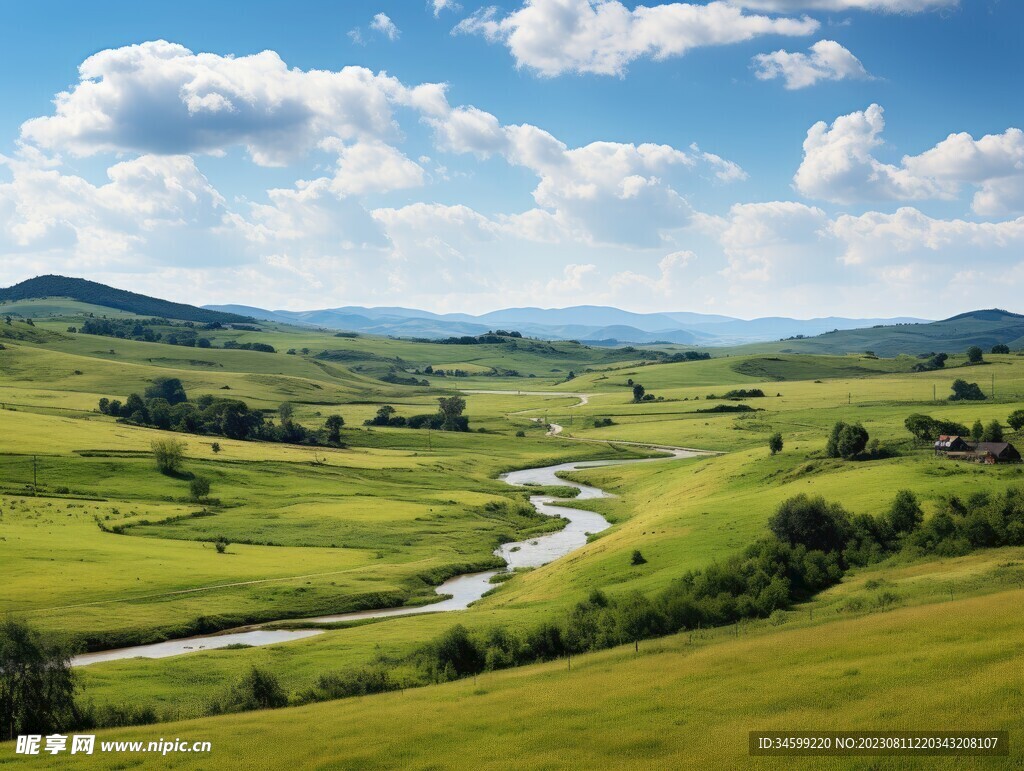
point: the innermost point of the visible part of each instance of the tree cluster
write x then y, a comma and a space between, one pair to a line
166, 406
448, 417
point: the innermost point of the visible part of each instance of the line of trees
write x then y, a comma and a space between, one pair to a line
448, 417
166, 406
185, 334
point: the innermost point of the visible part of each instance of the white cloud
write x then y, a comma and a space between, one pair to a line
444, 5
382, 23
152, 209
994, 163
884, 6
603, 36
827, 60
668, 282
776, 241
839, 166
603, 192
371, 167
876, 237
161, 98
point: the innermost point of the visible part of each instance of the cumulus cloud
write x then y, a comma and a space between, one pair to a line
602, 37
877, 237
162, 98
604, 192
839, 166
371, 167
382, 23
827, 60
152, 208
994, 163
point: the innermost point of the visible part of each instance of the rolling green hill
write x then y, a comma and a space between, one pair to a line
120, 299
983, 328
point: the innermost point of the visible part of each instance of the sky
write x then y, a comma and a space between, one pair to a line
747, 157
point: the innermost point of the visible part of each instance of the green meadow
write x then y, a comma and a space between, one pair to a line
101, 549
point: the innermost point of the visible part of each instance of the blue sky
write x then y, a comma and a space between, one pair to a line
756, 157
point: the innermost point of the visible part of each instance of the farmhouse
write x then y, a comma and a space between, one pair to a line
946, 444
997, 452
983, 452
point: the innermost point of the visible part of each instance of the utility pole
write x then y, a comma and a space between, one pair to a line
993, 385
935, 397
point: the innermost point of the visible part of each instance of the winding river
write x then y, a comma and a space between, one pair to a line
460, 591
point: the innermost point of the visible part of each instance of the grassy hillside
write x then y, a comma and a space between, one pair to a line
984, 328
685, 701
103, 549
119, 299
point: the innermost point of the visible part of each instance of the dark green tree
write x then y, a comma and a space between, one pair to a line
905, 513
451, 409
993, 432
169, 388
199, 488
638, 392
37, 684
1016, 420
1000, 348
846, 440
775, 443
964, 391
333, 425
975, 355
977, 431
811, 522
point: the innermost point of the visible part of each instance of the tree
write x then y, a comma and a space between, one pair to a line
286, 411
257, 689
846, 440
199, 487
37, 684
333, 426
775, 443
964, 391
905, 513
1016, 420
975, 355
169, 388
168, 454
451, 408
637, 558
977, 431
993, 432
215, 447
638, 392
811, 522
383, 417
221, 544
1000, 348
921, 426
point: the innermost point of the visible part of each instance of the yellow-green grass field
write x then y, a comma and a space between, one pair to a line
381, 521
684, 701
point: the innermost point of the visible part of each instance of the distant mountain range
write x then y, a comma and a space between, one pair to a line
587, 323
